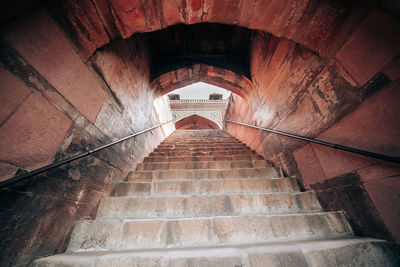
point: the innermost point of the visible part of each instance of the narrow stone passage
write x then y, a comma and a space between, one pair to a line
203, 198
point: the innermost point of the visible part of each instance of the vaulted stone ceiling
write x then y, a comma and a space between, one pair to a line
322, 26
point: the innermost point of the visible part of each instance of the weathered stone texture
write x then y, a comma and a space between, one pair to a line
295, 90
292, 90
66, 110
32, 136
374, 44
13, 92
40, 42
320, 26
373, 127
82, 19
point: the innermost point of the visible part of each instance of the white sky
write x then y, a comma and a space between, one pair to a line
200, 91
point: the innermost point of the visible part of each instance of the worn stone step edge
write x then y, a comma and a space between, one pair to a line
214, 147
186, 206
201, 158
340, 252
203, 153
206, 186
197, 232
202, 144
187, 165
146, 176
203, 149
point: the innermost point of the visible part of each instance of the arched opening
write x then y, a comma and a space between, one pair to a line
224, 78
196, 122
206, 101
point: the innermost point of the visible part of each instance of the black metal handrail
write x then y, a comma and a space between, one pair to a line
332, 145
30, 174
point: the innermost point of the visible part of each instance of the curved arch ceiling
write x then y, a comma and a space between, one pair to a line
314, 24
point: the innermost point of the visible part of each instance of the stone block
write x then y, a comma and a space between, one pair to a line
348, 194
206, 206
289, 257
308, 165
377, 117
171, 12
136, 189
385, 196
378, 171
375, 40
88, 30
32, 136
13, 92
178, 233
350, 253
41, 43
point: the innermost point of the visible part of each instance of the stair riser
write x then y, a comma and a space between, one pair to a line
202, 165
217, 148
148, 176
254, 185
205, 206
219, 144
196, 159
173, 140
202, 144
199, 153
137, 234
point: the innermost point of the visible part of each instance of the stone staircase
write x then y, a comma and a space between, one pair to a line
202, 198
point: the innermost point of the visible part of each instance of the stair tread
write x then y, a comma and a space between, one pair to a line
207, 205
312, 253
108, 234
206, 169
217, 217
211, 195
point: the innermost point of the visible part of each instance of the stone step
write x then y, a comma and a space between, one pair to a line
202, 158
196, 232
202, 144
202, 153
202, 165
341, 252
172, 138
186, 206
200, 149
201, 141
203, 187
148, 176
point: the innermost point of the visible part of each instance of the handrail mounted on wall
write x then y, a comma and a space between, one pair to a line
30, 174
332, 145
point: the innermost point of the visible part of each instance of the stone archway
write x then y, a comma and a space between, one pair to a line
196, 122
220, 77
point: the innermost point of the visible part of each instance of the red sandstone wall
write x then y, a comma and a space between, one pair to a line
296, 90
53, 105
239, 110
374, 126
